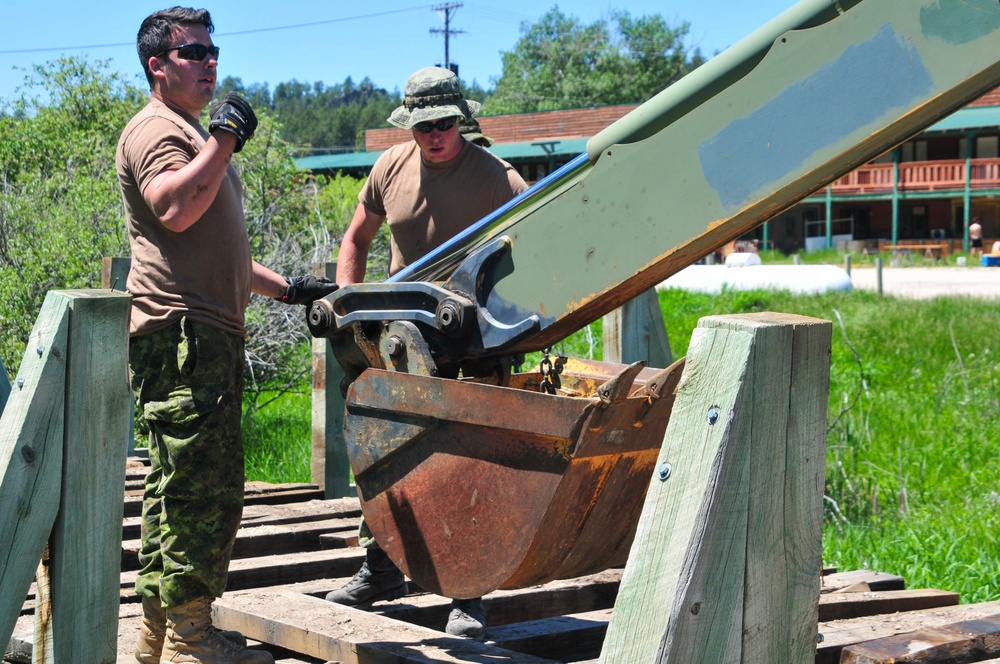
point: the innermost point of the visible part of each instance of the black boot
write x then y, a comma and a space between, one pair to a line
378, 579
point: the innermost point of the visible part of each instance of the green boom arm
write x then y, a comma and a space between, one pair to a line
819, 91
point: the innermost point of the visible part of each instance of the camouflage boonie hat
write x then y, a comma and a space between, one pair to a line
469, 129
432, 93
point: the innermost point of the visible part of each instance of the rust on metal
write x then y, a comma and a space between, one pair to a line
471, 487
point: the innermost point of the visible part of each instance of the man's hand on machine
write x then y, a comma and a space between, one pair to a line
304, 290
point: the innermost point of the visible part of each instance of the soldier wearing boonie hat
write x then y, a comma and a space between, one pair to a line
470, 131
432, 93
428, 190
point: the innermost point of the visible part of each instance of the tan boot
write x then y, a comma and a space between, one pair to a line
192, 638
154, 628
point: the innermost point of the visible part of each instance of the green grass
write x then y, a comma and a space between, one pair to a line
913, 455
277, 440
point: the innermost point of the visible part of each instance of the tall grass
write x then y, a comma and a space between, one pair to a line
913, 446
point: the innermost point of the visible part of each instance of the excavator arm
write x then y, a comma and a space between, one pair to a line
820, 90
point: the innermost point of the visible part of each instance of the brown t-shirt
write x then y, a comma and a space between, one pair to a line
426, 203
204, 272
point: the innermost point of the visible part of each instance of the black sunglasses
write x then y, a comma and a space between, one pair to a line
193, 52
440, 125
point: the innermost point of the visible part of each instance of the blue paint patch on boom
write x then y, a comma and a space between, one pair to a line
762, 149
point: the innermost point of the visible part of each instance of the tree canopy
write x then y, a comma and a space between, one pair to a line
560, 62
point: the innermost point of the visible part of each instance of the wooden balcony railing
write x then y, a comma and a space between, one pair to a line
944, 175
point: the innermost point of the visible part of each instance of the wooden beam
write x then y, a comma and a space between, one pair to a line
31, 453
329, 631
82, 571
4, 387
726, 560
838, 606
838, 634
966, 641
331, 468
635, 331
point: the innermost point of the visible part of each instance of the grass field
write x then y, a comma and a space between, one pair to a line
913, 458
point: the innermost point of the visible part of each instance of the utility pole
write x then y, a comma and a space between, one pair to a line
446, 11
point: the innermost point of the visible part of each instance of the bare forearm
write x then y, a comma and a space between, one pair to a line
267, 282
179, 198
351, 261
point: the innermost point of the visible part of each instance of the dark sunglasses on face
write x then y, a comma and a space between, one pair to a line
440, 125
193, 52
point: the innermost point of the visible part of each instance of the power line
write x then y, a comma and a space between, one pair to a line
223, 34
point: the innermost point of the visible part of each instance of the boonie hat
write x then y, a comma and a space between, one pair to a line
432, 93
469, 129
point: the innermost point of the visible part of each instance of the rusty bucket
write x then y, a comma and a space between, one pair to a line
471, 487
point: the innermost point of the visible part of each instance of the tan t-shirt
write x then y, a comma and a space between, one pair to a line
204, 272
426, 204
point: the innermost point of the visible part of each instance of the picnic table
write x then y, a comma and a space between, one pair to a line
932, 251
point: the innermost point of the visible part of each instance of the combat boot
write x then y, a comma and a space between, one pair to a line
378, 579
191, 638
153, 630
467, 619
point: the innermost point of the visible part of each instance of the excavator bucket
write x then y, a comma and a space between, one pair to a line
471, 487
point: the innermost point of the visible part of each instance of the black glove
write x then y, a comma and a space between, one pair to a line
303, 290
235, 116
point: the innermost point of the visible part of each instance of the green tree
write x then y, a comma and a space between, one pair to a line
60, 205
561, 63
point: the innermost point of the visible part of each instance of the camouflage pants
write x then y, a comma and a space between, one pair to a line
188, 383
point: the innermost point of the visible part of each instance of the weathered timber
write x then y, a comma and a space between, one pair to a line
4, 387
838, 606
635, 331
568, 637
322, 629
956, 643
81, 573
331, 469
266, 540
257, 493
865, 579
31, 453
838, 634
725, 564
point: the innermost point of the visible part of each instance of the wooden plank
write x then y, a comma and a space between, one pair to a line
727, 554
4, 387
956, 643
570, 637
265, 540
347, 635
331, 469
872, 580
636, 331
838, 606
31, 452
256, 494
83, 571
837, 634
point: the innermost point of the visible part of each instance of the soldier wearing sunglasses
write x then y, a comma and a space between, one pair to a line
191, 278
428, 190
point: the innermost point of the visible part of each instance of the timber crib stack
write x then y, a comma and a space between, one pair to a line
294, 547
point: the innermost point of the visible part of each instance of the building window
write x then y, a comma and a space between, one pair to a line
986, 147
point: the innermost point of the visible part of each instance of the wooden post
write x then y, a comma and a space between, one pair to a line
31, 456
635, 331
331, 468
76, 619
726, 560
114, 273
4, 387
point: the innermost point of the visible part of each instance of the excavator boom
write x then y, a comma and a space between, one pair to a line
822, 89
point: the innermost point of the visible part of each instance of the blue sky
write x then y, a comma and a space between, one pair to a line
314, 40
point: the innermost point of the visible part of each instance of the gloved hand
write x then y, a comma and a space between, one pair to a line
303, 290
235, 116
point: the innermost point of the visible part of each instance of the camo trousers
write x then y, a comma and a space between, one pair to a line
188, 384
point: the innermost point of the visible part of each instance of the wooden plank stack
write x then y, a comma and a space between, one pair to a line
294, 547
